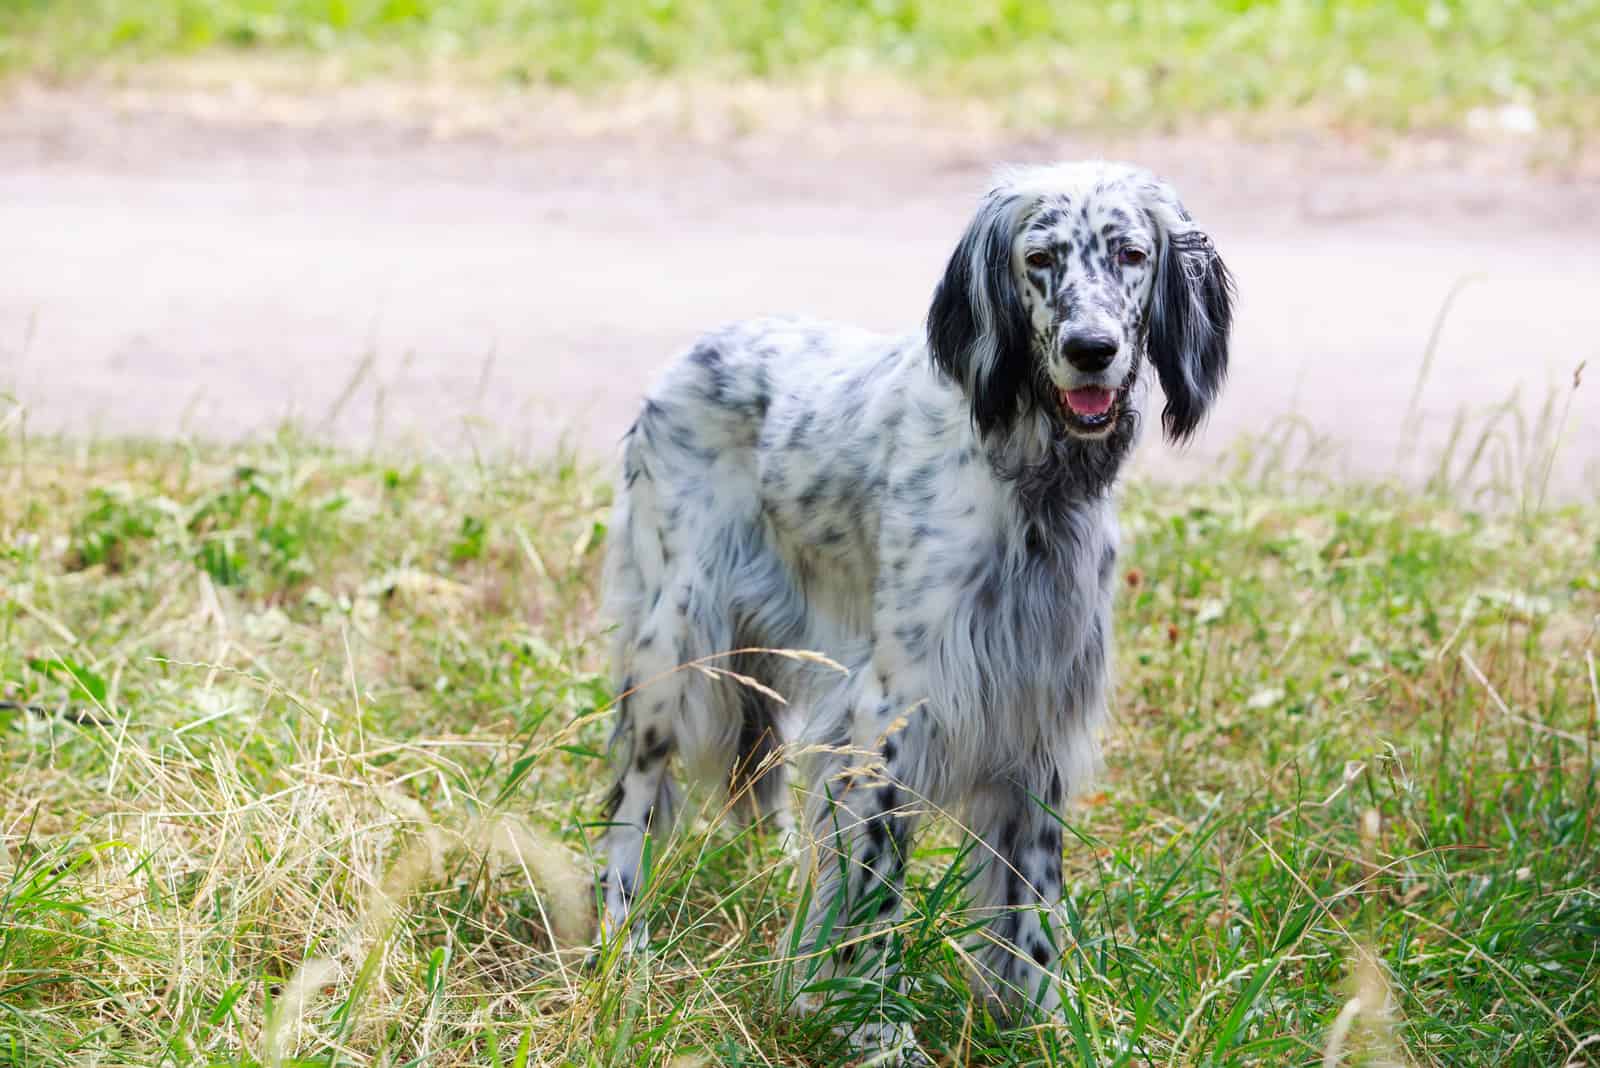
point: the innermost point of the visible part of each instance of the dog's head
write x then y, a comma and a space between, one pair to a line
1067, 279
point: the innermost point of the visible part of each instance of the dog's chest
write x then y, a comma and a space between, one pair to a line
981, 589
997, 633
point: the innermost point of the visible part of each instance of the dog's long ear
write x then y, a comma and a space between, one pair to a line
977, 326
1191, 314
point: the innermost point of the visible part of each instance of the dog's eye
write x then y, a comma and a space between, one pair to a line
1131, 257
1038, 258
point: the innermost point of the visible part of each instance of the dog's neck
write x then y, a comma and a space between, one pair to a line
1051, 472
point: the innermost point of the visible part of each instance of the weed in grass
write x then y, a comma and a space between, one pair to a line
332, 799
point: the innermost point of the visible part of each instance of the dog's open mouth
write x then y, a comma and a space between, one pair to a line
1090, 410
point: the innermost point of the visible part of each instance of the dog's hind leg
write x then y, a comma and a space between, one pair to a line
642, 803
684, 537
672, 625
642, 598
665, 710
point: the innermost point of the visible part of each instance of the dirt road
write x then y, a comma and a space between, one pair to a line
166, 272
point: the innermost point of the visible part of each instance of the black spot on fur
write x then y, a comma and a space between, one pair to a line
801, 429
708, 358
914, 636
813, 494
761, 391
612, 801
625, 885
654, 750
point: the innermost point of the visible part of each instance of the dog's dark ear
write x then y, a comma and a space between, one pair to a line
977, 326
1191, 314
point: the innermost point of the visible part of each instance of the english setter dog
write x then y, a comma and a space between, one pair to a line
935, 512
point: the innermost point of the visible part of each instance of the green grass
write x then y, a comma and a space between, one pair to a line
1390, 63
313, 758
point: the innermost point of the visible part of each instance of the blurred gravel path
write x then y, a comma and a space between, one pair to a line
165, 272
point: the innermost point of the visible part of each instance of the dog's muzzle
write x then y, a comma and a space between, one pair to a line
1091, 411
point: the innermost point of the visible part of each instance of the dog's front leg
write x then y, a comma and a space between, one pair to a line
1018, 842
862, 821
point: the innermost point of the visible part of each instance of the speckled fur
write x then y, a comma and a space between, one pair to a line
925, 511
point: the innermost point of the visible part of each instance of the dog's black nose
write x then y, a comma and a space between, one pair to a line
1090, 352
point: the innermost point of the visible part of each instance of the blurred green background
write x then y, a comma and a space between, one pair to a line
1400, 64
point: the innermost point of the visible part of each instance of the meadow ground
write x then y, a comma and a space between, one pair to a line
303, 750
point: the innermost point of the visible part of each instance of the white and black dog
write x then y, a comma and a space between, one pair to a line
935, 513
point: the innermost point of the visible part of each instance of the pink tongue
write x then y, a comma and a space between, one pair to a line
1088, 401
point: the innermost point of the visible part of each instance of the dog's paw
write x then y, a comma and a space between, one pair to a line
881, 1044
634, 942
630, 932
619, 926
618, 919
875, 1042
